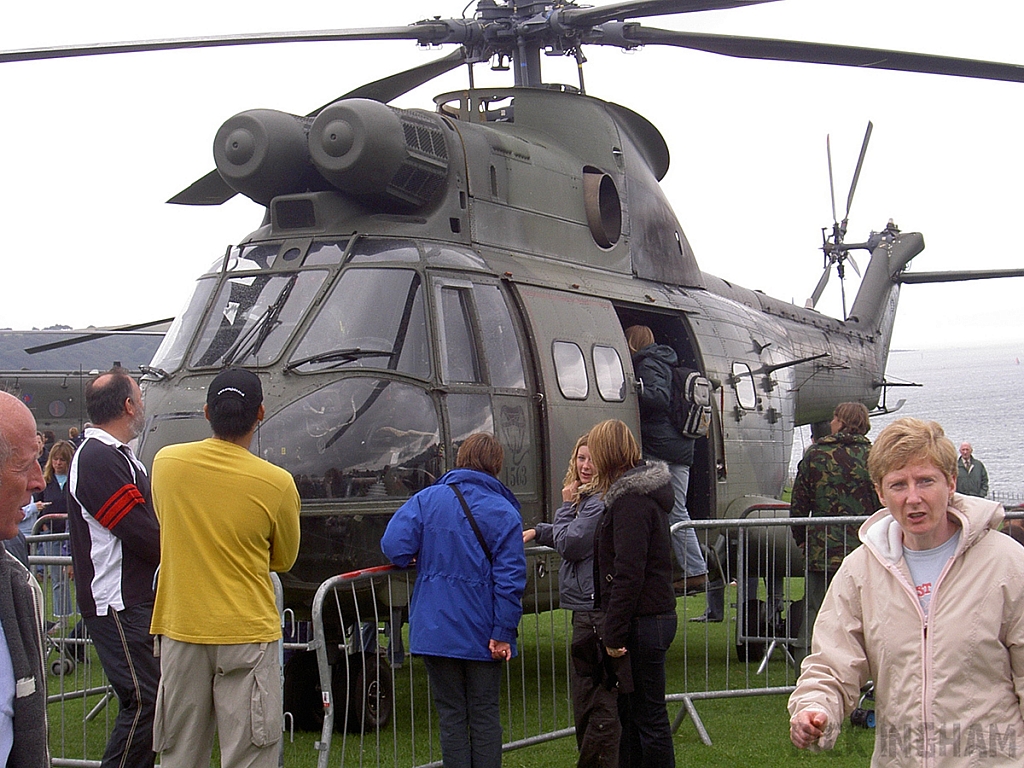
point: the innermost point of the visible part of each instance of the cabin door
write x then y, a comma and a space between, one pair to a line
582, 368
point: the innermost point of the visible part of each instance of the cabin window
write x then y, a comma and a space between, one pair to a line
253, 316
570, 370
459, 359
359, 438
373, 318
171, 352
611, 380
743, 385
504, 364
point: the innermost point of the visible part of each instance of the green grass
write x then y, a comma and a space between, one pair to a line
745, 731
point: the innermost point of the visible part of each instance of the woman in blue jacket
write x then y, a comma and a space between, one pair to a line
572, 535
467, 599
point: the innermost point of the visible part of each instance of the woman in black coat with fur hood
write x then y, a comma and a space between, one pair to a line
633, 582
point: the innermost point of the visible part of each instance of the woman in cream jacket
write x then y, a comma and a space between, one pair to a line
931, 609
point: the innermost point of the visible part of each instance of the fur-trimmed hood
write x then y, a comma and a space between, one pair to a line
643, 479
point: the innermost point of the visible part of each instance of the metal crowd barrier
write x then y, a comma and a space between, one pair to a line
367, 701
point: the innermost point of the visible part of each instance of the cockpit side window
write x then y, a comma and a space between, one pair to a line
460, 362
171, 352
501, 347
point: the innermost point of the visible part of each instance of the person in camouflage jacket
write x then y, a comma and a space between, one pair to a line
832, 480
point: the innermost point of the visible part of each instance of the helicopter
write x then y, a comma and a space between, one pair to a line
422, 274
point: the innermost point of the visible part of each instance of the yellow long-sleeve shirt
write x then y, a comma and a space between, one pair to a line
227, 519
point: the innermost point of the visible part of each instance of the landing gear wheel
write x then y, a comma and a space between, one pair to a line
63, 666
751, 623
371, 695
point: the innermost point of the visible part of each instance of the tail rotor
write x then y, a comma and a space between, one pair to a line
832, 245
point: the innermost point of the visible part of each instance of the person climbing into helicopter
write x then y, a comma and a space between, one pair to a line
653, 364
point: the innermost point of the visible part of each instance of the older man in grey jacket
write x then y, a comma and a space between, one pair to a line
22, 682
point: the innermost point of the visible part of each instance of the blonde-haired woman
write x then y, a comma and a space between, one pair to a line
634, 587
572, 535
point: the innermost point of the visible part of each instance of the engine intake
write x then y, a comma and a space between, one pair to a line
263, 153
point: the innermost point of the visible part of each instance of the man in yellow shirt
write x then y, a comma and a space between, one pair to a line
227, 519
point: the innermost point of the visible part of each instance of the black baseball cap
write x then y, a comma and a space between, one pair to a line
238, 384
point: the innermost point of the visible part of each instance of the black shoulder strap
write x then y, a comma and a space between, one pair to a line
472, 522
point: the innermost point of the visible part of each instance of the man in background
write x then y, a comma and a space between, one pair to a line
115, 549
22, 680
971, 477
232, 517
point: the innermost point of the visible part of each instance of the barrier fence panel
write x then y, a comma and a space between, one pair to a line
80, 702
349, 679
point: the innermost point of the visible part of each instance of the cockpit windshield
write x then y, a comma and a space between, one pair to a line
373, 317
358, 438
253, 316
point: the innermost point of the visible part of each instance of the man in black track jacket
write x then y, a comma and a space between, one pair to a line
115, 549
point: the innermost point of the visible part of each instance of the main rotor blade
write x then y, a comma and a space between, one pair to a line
211, 189
818, 53
423, 32
391, 87
856, 173
637, 9
99, 334
831, 183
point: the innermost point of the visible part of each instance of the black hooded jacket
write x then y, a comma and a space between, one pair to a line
633, 575
653, 366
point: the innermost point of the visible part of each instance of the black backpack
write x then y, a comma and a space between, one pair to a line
689, 408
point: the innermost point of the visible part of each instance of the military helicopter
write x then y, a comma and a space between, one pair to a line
423, 274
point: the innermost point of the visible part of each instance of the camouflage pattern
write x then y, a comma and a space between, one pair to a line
832, 481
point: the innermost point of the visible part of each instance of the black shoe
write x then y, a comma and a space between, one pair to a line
707, 618
694, 585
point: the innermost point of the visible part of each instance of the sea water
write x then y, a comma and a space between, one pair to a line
975, 393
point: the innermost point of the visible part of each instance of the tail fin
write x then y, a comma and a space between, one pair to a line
874, 309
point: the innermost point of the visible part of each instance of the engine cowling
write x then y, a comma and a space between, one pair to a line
385, 157
370, 150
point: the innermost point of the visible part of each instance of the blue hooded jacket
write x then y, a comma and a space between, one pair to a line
460, 601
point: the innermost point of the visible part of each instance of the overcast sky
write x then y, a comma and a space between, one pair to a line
91, 148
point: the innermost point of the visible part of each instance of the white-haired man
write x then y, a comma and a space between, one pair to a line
22, 682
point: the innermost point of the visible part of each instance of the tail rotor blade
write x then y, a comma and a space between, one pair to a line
819, 288
849, 258
860, 164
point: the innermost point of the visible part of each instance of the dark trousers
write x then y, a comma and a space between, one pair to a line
595, 710
646, 732
125, 648
815, 586
467, 697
